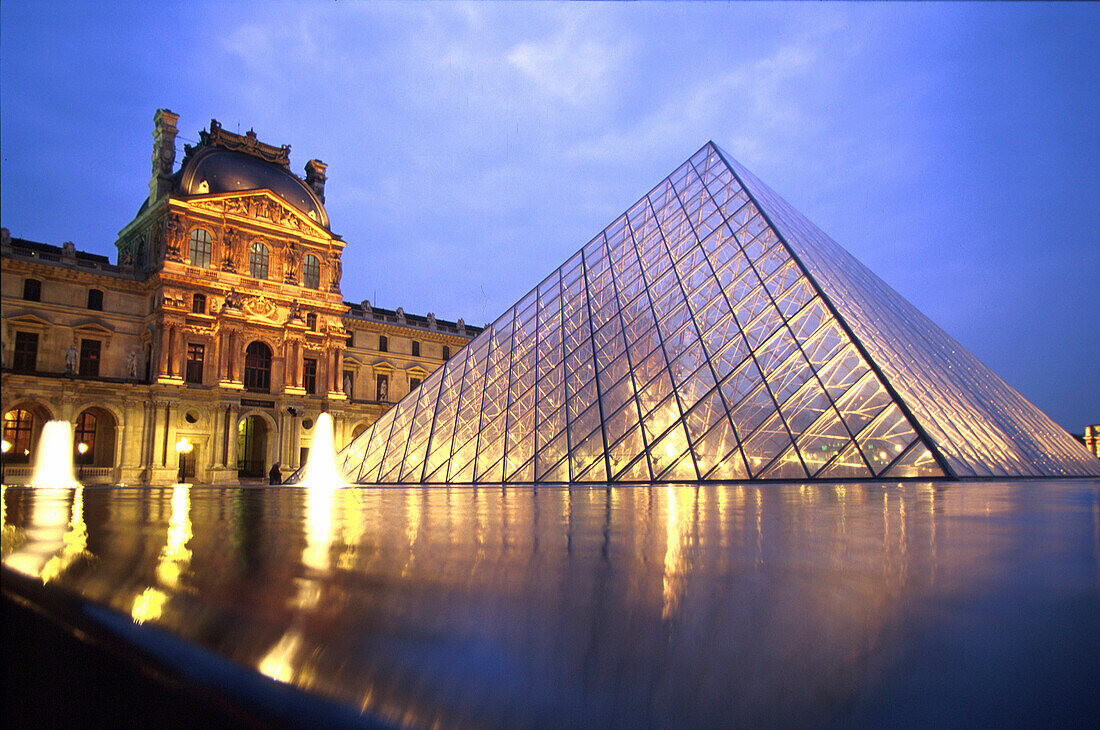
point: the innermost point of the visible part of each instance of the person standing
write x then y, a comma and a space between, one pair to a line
275, 476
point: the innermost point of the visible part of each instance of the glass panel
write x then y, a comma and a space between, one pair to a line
766, 443
787, 466
666, 452
863, 402
823, 440
847, 465
885, 438
916, 462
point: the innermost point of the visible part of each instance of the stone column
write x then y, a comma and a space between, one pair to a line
223, 357
231, 454
231, 364
293, 443
162, 355
172, 352
299, 364
339, 376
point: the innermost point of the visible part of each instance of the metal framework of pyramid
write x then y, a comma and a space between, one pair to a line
711, 333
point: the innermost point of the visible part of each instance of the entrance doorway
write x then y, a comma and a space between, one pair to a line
252, 447
187, 466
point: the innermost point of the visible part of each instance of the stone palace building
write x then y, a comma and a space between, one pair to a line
207, 351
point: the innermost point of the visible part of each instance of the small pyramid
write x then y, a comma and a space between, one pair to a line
711, 333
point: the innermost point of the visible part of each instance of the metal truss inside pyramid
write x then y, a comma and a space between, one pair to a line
700, 337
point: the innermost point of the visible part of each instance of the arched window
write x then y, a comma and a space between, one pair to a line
311, 272
200, 248
257, 367
95, 299
85, 434
257, 261
32, 290
18, 432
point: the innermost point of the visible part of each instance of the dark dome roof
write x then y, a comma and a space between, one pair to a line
226, 171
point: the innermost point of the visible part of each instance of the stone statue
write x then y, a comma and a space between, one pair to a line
172, 233
337, 272
461, 326
232, 239
384, 390
68, 249
70, 360
131, 365
233, 300
291, 258
295, 312
401, 315
347, 384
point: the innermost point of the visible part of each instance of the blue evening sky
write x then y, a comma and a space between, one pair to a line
953, 148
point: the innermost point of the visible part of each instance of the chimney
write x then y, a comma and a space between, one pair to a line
315, 177
164, 153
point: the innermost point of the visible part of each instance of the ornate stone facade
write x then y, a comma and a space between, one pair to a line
221, 326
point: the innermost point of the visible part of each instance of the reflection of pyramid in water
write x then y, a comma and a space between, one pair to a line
711, 332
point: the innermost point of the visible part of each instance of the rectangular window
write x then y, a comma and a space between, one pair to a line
311, 322
446, 353
25, 357
95, 299
309, 375
195, 356
416, 349
198, 304
32, 290
89, 358
351, 339
414, 383
383, 344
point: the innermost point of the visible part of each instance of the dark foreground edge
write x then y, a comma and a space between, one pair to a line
70, 663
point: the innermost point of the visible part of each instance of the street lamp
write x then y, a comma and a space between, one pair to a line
5, 447
83, 449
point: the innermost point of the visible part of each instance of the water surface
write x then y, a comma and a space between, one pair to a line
621, 607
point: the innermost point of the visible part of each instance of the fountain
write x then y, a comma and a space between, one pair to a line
320, 468
53, 466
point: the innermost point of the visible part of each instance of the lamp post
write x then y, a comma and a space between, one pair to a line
5, 447
83, 449
183, 446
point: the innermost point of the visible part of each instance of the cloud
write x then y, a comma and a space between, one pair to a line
574, 64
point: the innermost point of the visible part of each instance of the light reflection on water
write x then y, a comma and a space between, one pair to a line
663, 605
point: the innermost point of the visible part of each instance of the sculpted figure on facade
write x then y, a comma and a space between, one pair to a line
131, 365
295, 314
291, 258
70, 359
233, 300
337, 272
232, 239
171, 236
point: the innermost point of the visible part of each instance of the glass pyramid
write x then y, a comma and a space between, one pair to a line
711, 333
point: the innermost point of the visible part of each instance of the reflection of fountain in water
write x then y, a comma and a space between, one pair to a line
53, 466
321, 468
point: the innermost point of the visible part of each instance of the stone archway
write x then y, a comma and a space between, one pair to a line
97, 428
23, 424
253, 437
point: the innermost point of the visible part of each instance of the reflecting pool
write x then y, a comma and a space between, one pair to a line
611, 607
